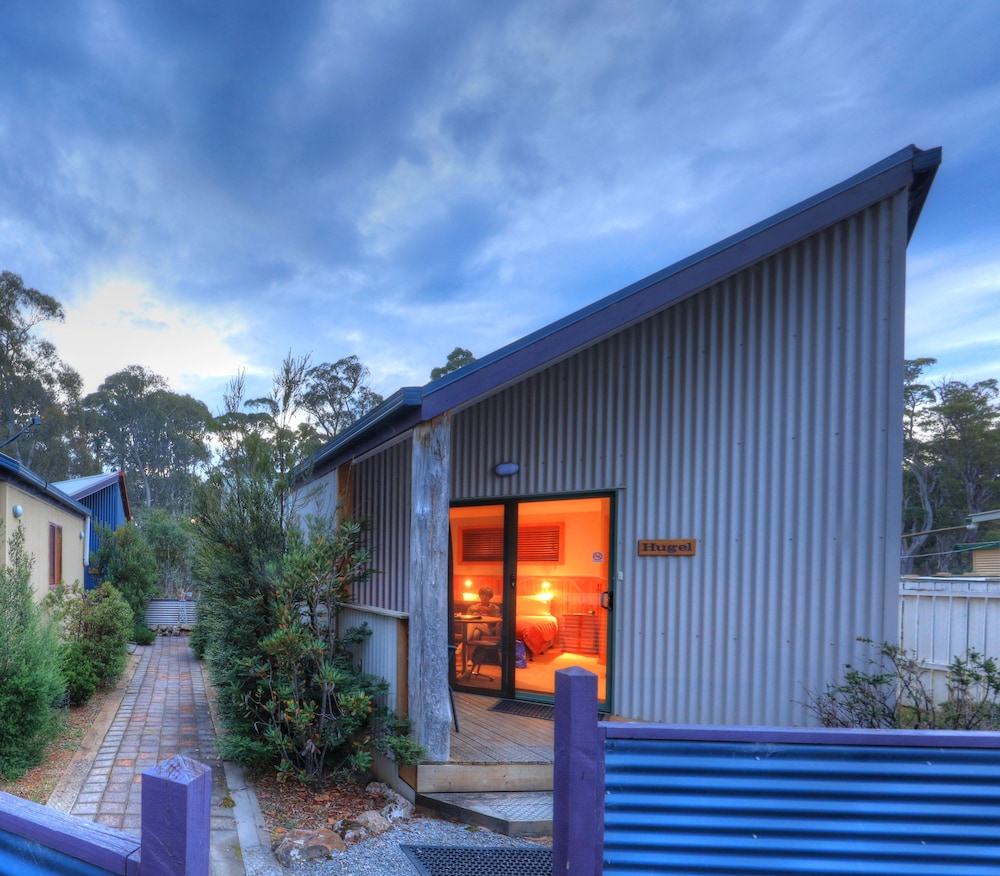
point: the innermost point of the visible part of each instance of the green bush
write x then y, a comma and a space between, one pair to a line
78, 672
30, 681
96, 627
127, 562
143, 635
304, 705
892, 692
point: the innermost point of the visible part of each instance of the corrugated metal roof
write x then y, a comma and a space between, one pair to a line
82, 488
910, 168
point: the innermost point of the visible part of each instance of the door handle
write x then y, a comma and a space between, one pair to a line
607, 600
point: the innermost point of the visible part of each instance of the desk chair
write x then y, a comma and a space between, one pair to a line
479, 647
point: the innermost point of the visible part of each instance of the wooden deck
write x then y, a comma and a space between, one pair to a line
491, 751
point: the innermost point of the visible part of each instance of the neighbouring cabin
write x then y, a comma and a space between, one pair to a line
106, 498
690, 488
55, 526
985, 557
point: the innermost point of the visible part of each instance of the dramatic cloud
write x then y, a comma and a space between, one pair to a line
208, 186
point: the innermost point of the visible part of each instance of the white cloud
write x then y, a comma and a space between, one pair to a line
125, 321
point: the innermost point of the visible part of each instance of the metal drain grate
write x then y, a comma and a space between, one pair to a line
467, 861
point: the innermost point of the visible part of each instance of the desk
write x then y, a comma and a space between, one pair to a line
465, 621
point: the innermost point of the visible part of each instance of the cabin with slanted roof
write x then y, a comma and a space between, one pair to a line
690, 487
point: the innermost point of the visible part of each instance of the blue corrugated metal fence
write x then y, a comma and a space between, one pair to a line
693, 800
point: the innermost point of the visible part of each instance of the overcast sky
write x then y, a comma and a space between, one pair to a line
208, 185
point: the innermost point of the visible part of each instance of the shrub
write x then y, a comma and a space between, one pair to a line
126, 561
143, 635
304, 698
30, 681
96, 626
893, 692
78, 672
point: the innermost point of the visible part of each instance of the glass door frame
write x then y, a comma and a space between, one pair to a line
510, 506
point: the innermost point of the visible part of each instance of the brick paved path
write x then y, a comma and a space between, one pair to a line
164, 712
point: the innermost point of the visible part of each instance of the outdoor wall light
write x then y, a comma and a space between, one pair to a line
18, 510
506, 469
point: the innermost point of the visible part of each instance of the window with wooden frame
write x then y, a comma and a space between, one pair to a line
55, 554
540, 543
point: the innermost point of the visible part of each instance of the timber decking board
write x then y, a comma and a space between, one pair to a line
492, 737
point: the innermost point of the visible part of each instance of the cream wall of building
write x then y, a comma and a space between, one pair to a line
37, 515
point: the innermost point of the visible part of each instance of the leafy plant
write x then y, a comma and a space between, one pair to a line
30, 681
125, 560
313, 709
893, 692
96, 627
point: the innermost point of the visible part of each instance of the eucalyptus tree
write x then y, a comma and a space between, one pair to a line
336, 394
35, 382
457, 358
951, 464
159, 438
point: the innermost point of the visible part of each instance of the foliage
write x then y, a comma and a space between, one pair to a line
96, 626
304, 697
30, 681
337, 394
78, 673
239, 542
157, 437
126, 561
457, 358
951, 452
171, 539
142, 635
892, 693
35, 382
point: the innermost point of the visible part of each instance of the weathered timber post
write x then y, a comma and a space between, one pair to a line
176, 818
428, 649
578, 777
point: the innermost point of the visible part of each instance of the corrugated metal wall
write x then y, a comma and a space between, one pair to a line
761, 417
382, 495
381, 653
106, 509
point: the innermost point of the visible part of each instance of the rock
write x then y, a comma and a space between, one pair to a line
307, 845
374, 822
397, 808
352, 832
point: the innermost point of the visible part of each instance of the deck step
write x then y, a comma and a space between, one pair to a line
461, 778
522, 813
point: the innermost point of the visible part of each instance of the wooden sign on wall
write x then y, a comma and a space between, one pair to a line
667, 547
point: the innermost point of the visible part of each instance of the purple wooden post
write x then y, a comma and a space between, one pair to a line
176, 818
578, 777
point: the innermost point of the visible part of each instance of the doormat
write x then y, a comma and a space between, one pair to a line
466, 861
525, 710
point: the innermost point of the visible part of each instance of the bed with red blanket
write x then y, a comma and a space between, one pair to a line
535, 626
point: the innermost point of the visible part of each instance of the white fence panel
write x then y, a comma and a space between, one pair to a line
943, 618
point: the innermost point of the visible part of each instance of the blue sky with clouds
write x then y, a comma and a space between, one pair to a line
206, 186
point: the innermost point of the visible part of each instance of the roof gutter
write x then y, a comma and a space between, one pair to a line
41, 486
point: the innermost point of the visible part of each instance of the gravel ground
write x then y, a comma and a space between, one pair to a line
381, 855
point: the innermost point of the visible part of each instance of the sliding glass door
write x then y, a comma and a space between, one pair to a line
530, 593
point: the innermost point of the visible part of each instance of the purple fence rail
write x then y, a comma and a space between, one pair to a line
652, 798
174, 840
